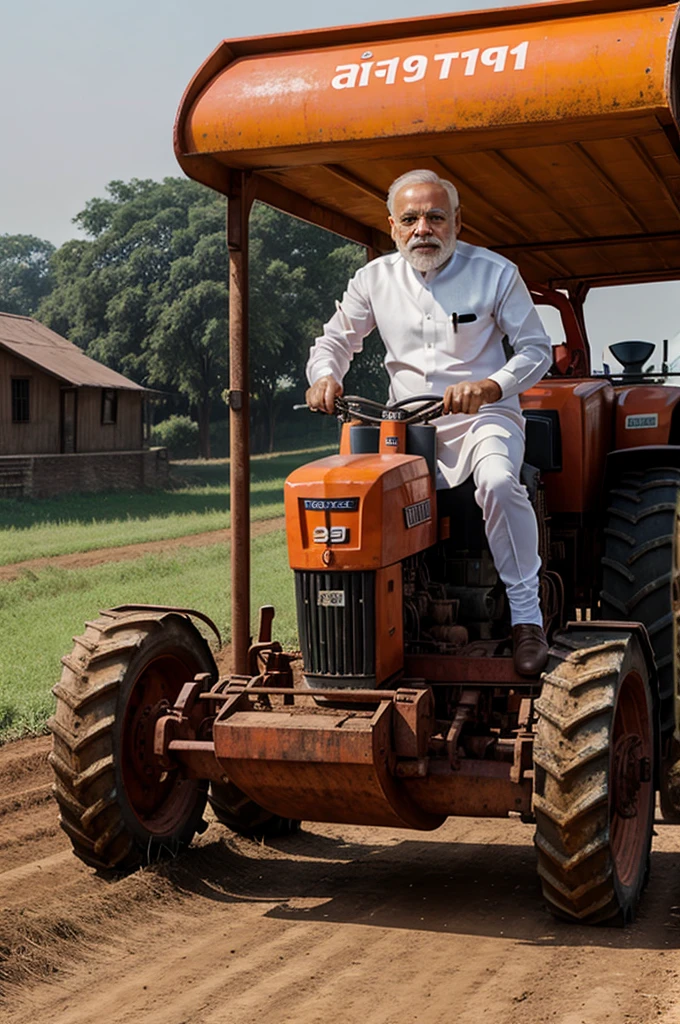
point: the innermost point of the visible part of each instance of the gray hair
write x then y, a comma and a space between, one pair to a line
422, 177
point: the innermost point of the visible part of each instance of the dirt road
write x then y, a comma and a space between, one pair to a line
336, 925
128, 552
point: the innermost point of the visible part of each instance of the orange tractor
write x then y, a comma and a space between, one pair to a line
559, 122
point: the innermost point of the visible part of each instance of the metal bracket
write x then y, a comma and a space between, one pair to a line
466, 709
413, 722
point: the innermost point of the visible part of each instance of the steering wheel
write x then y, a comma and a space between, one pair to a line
354, 407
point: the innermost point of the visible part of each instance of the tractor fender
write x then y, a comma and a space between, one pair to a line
623, 460
646, 414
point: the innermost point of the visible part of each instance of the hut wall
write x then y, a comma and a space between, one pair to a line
126, 434
41, 433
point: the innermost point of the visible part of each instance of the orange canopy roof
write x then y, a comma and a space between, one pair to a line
557, 121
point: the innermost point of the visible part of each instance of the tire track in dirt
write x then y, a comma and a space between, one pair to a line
337, 925
126, 552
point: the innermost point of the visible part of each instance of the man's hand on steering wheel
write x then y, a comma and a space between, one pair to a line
469, 396
322, 394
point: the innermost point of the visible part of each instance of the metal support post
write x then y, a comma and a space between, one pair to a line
238, 210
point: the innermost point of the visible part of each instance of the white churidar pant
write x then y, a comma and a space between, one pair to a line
510, 524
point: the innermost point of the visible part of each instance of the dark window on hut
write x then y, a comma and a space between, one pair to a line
109, 405
20, 400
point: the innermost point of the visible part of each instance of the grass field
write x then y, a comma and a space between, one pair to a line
40, 612
198, 502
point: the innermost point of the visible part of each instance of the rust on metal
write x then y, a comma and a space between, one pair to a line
476, 788
238, 211
355, 696
467, 707
452, 668
413, 722
323, 767
197, 758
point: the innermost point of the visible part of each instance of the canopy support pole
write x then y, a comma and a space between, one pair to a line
240, 200
578, 293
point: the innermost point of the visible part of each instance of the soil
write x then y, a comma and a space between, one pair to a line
339, 924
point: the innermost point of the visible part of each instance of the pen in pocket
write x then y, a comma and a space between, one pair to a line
462, 318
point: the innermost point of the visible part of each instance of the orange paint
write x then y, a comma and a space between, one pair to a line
637, 407
592, 65
586, 415
345, 436
379, 488
392, 437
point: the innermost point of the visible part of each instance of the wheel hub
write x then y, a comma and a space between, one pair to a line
630, 770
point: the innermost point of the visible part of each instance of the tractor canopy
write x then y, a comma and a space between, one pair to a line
558, 121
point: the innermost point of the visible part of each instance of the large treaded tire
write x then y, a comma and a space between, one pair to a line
119, 809
641, 559
593, 786
640, 571
239, 813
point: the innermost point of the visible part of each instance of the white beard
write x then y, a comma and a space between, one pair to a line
428, 261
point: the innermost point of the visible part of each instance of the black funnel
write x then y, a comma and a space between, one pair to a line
632, 355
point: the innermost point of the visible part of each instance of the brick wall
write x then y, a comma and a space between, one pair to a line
44, 476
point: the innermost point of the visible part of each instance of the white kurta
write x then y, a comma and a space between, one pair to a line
425, 354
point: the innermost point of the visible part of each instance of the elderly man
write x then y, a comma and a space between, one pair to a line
443, 308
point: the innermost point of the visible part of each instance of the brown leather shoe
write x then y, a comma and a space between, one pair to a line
529, 649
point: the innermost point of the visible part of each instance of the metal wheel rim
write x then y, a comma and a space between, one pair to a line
159, 799
630, 793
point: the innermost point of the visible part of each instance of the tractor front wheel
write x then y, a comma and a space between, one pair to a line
119, 807
593, 788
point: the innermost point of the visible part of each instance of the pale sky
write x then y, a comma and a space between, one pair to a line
90, 91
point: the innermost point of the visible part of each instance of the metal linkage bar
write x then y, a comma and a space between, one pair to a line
273, 691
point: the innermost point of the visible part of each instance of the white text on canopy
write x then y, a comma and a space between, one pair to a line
417, 66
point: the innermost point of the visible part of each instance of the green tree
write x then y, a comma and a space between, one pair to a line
24, 273
188, 345
288, 318
146, 292
105, 285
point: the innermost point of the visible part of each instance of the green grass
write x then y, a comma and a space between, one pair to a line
39, 613
198, 503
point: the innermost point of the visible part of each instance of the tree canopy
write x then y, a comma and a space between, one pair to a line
24, 273
146, 293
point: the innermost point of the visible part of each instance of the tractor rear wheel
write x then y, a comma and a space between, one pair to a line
641, 583
593, 785
238, 812
118, 806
